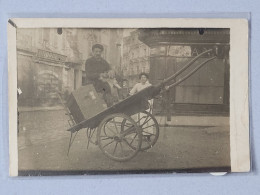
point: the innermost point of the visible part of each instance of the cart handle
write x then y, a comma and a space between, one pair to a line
185, 67
192, 72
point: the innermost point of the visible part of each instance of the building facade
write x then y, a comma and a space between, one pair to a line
135, 57
52, 60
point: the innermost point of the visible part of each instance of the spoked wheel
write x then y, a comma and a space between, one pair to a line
119, 137
150, 129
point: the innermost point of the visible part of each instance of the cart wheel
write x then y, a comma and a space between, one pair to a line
119, 137
150, 129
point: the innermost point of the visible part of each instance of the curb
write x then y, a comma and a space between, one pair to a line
204, 121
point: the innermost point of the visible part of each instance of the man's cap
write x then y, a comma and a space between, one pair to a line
98, 46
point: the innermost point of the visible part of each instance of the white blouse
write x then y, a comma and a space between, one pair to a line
138, 87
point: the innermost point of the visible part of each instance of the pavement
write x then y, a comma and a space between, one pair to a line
187, 142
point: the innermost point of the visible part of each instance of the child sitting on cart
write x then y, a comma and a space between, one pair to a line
109, 78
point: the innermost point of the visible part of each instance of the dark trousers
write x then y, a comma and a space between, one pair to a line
104, 88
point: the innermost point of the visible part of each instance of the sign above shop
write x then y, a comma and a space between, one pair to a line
48, 55
221, 51
155, 37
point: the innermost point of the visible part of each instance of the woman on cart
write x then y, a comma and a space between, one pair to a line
144, 83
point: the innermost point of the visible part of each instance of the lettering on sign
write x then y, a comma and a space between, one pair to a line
218, 50
180, 51
51, 56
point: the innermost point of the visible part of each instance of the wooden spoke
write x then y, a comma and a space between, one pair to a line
133, 139
127, 144
148, 126
115, 148
115, 125
111, 130
108, 144
146, 121
122, 147
140, 119
148, 133
106, 138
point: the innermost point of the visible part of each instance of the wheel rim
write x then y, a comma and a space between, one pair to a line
119, 137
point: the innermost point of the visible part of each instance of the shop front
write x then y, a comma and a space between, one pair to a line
42, 74
207, 90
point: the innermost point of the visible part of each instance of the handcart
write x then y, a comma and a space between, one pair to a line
128, 127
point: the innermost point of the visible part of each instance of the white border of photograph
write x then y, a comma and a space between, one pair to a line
239, 109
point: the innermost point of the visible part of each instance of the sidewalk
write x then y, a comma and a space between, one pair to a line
194, 121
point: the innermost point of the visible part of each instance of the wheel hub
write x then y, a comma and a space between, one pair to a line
118, 138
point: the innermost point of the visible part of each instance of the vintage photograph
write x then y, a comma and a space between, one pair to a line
111, 100
120, 96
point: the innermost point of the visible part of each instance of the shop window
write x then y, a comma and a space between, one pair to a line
180, 51
158, 51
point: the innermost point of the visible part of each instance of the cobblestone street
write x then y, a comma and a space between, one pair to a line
43, 145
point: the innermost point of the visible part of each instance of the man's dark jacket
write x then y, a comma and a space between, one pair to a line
94, 67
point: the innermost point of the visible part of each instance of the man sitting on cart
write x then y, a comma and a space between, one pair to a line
96, 67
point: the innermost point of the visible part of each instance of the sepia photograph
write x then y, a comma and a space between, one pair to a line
123, 100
